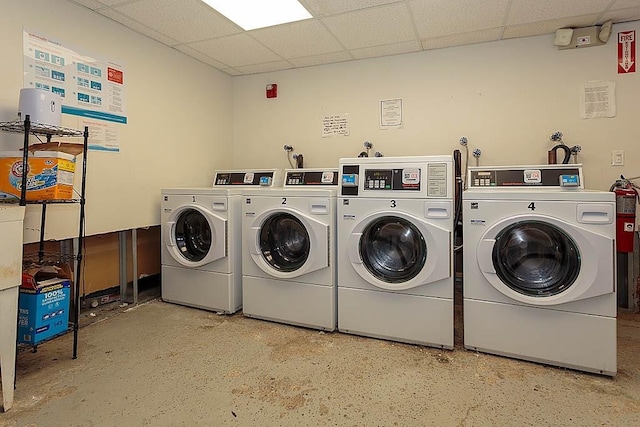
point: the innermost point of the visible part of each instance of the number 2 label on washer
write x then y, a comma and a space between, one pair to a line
284, 200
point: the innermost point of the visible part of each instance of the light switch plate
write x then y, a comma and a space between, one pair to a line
617, 158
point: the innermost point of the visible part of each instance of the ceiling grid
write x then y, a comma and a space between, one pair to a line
344, 30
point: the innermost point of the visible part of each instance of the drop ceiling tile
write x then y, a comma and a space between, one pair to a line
625, 15
482, 36
303, 38
547, 27
236, 51
231, 71
524, 11
344, 30
264, 67
91, 4
136, 26
390, 49
438, 18
320, 8
185, 20
623, 4
327, 58
116, 2
372, 27
200, 56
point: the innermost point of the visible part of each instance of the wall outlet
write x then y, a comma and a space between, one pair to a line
617, 158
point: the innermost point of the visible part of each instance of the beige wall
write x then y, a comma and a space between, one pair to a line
506, 97
186, 119
179, 114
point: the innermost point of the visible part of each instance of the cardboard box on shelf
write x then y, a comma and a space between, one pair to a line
49, 175
43, 304
64, 147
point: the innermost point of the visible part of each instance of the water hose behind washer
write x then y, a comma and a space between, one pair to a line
552, 155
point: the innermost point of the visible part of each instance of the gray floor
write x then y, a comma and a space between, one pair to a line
159, 364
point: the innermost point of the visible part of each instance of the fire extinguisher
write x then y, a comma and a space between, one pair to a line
626, 200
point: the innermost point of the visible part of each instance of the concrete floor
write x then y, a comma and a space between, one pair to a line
159, 364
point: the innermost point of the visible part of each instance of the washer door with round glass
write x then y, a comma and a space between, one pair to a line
396, 251
196, 236
544, 261
286, 243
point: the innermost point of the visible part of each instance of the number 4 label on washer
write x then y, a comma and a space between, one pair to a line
532, 206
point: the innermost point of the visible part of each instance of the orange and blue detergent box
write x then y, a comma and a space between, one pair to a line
49, 175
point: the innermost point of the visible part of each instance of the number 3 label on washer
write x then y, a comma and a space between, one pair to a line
392, 203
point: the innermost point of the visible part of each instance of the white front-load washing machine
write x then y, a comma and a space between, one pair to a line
201, 240
539, 267
395, 249
289, 255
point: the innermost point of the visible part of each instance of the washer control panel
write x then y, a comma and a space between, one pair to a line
350, 180
311, 177
397, 177
569, 181
249, 178
559, 176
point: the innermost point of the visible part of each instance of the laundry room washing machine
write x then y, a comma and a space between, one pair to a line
539, 267
201, 240
395, 249
289, 253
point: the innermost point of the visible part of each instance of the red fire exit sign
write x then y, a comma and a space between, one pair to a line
626, 52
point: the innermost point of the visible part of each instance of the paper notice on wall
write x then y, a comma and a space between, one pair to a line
103, 136
598, 99
390, 113
89, 87
335, 125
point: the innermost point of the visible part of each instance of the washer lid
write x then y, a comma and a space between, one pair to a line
545, 261
196, 236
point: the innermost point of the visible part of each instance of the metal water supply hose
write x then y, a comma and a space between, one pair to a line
457, 216
567, 152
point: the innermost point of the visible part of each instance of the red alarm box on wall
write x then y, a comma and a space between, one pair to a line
272, 90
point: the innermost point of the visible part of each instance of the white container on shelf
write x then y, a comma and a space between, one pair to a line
42, 107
